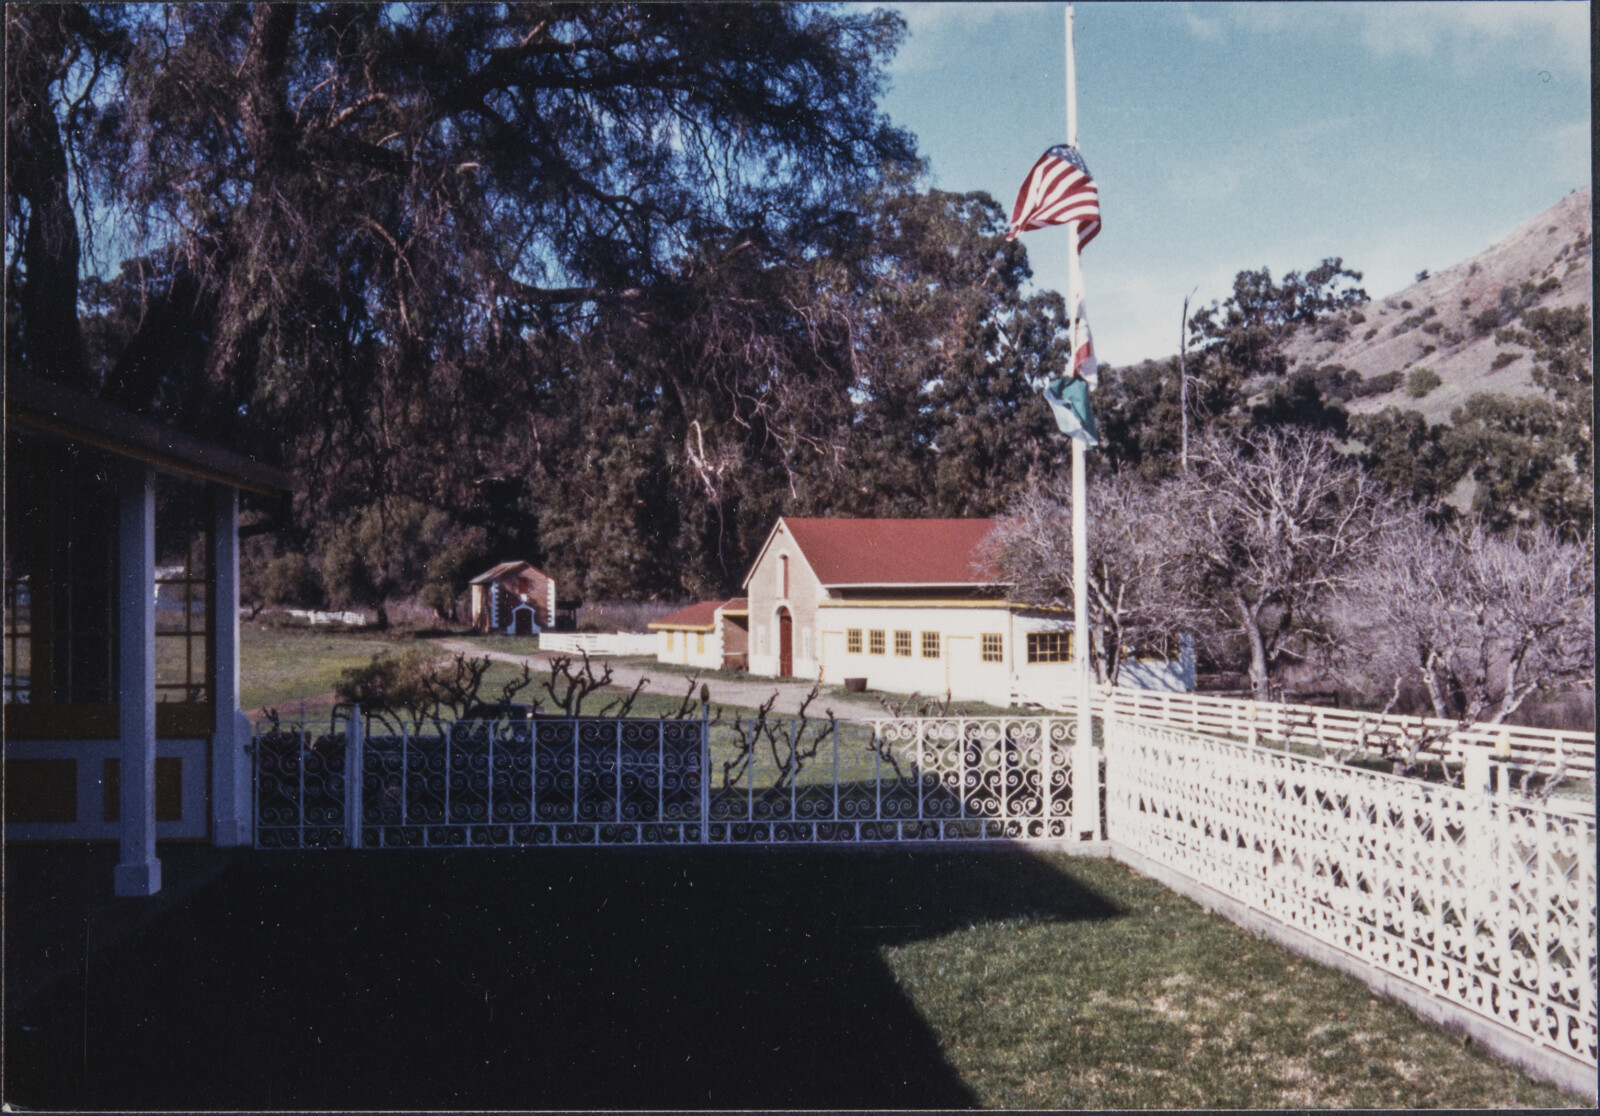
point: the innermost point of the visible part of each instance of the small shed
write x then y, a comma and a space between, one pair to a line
513, 598
710, 634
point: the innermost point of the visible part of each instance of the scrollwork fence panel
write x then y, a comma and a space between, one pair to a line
587, 781
1486, 900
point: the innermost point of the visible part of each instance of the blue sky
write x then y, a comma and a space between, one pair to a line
1233, 136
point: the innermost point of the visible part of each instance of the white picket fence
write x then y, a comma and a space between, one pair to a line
1487, 901
595, 643
1330, 729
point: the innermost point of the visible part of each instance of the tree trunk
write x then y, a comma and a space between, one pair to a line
48, 294
1260, 682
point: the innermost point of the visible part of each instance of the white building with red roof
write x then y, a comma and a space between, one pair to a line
709, 634
911, 606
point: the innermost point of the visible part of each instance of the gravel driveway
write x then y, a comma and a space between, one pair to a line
626, 672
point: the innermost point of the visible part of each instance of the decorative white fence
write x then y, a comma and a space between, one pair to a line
1330, 729
1487, 901
589, 780
595, 643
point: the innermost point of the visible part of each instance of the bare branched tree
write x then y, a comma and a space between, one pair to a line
791, 743
1136, 588
1482, 621
1270, 527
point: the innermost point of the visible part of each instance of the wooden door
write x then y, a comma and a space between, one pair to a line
785, 643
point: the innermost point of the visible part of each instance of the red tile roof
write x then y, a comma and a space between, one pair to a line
699, 615
895, 551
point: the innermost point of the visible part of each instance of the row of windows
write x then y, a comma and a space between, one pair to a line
699, 641
991, 645
1043, 647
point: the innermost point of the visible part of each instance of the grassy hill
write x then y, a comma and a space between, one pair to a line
1446, 322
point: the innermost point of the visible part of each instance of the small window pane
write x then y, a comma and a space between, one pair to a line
852, 641
930, 645
902, 645
875, 641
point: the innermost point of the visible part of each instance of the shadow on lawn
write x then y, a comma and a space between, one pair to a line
617, 978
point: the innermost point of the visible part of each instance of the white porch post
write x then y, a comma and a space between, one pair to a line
230, 732
138, 872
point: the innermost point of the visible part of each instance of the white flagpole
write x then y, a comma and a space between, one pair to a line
1086, 764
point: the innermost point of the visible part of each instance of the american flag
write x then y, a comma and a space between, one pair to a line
1057, 191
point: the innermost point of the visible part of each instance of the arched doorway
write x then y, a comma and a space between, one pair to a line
785, 643
522, 620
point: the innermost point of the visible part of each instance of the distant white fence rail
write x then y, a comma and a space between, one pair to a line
1331, 729
594, 643
1486, 901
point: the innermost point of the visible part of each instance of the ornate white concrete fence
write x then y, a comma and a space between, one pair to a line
1331, 729
1486, 901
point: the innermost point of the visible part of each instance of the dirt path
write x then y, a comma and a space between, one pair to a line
626, 672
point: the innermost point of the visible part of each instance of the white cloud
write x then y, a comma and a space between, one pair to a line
1201, 27
1558, 30
1551, 34
934, 30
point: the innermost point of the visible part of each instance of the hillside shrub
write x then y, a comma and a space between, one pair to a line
1370, 334
1503, 359
1405, 304
1357, 317
1376, 385
1435, 328
1426, 349
1420, 381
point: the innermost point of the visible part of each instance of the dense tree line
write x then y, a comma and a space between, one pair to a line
609, 287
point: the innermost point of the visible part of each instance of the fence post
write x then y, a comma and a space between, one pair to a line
1086, 787
1108, 738
353, 772
705, 769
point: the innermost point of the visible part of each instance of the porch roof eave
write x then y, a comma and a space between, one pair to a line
47, 407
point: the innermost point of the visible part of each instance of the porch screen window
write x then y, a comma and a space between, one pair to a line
991, 649
183, 571
875, 641
1049, 647
852, 640
930, 645
60, 638
902, 645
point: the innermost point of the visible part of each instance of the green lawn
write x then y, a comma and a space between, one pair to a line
281, 667
1166, 1006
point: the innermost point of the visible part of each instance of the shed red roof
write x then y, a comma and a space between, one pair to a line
896, 551
702, 614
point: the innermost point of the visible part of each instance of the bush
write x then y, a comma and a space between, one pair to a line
1370, 334
1486, 322
1503, 359
393, 683
1420, 381
1376, 385
1434, 328
1405, 304
1357, 317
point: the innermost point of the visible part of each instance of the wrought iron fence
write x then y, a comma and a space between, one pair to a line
587, 781
1485, 900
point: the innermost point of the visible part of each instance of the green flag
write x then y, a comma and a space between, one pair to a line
1069, 399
